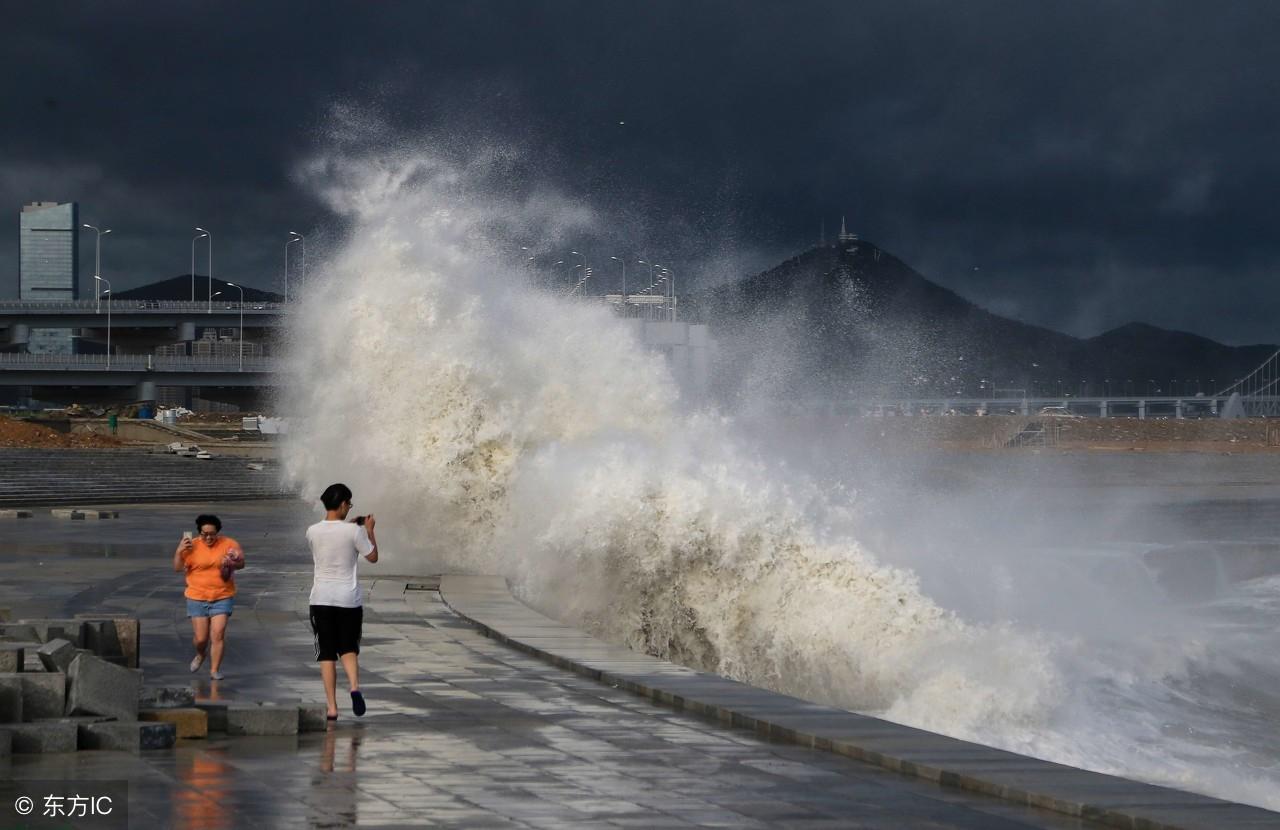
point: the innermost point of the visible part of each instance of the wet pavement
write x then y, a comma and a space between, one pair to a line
461, 732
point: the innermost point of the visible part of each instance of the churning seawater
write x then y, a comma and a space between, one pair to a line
497, 428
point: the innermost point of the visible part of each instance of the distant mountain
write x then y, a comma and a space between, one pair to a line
179, 288
852, 320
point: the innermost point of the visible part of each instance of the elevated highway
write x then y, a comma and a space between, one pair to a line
132, 377
130, 314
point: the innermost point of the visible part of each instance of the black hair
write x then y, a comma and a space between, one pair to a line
206, 519
334, 495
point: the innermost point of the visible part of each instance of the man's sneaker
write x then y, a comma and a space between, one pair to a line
357, 703
197, 662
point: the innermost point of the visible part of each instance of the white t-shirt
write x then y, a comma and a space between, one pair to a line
336, 547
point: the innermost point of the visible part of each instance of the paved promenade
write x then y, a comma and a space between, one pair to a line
463, 731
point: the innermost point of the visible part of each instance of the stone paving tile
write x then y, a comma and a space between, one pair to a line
462, 731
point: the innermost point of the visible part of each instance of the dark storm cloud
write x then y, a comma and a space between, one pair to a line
1074, 164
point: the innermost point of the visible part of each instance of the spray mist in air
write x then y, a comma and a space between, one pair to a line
495, 427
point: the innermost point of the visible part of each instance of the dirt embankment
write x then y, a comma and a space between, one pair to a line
995, 432
1170, 435
28, 435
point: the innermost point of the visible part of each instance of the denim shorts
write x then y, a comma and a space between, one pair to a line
204, 608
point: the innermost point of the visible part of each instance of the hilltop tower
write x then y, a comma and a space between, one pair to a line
845, 236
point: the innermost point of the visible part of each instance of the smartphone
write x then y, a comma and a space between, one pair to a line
186, 536
360, 520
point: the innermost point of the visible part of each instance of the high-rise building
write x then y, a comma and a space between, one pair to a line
49, 265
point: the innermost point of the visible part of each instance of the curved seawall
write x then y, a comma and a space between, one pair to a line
487, 602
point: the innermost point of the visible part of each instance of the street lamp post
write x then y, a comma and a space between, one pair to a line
649, 313
623, 263
97, 291
650, 264
297, 237
210, 235
662, 280
97, 263
240, 365
193, 264
584, 264
672, 275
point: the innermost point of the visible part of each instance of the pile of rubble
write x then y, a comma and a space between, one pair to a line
185, 450
75, 684
27, 435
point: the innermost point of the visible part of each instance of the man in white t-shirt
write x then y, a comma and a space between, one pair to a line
337, 616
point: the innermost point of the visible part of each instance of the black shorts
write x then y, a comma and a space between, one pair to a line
337, 630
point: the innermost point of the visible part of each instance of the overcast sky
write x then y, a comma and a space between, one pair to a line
1075, 164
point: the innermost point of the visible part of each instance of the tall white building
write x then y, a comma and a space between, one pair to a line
49, 265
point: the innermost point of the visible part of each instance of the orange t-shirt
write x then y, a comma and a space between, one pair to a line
204, 564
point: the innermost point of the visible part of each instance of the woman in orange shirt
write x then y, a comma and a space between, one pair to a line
209, 561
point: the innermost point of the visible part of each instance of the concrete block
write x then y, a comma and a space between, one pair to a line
76, 719
39, 738
12, 657
311, 717
129, 636
57, 629
100, 637
10, 699
57, 654
265, 719
190, 722
166, 697
216, 713
127, 736
15, 514
44, 694
96, 687
19, 633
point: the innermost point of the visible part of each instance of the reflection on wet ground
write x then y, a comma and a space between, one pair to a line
462, 732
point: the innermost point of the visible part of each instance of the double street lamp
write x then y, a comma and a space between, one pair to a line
97, 262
